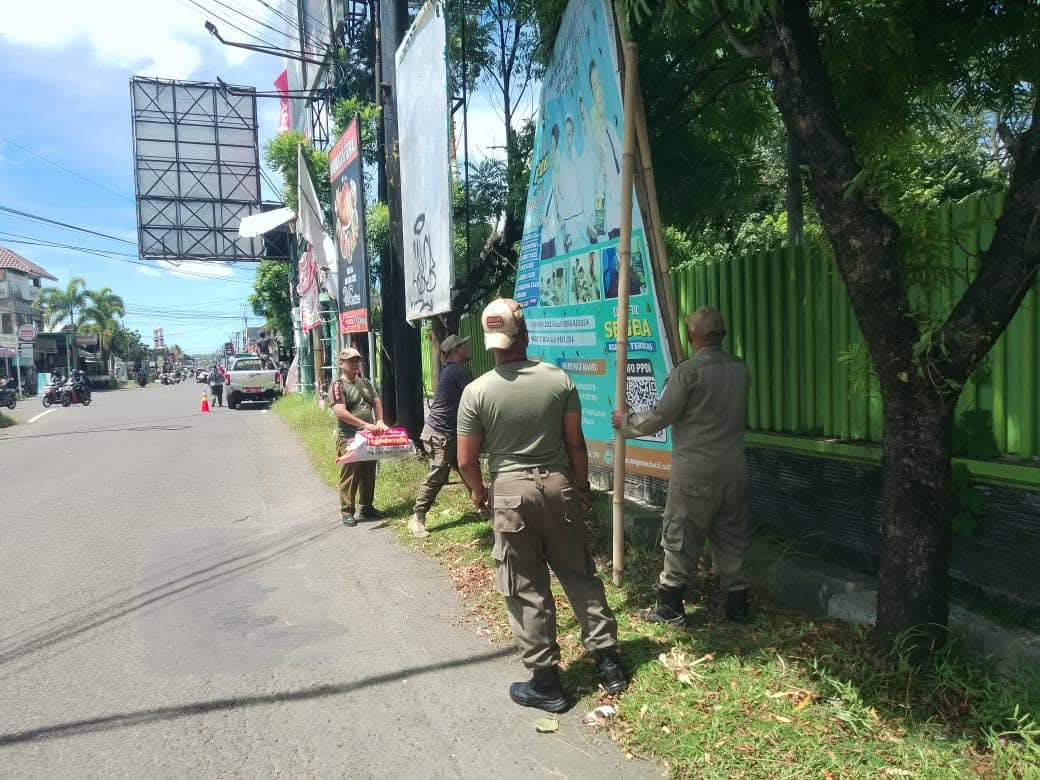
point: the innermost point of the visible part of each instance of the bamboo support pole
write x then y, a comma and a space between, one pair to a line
624, 271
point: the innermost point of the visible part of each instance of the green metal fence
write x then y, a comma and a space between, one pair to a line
789, 317
480, 359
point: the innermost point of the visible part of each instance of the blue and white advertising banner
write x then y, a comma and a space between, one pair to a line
567, 278
424, 129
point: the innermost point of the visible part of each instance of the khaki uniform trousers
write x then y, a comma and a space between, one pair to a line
539, 524
356, 480
443, 458
695, 512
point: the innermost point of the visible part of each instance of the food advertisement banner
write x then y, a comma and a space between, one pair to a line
567, 278
348, 206
423, 122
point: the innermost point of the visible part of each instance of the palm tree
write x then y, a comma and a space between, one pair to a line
59, 305
104, 313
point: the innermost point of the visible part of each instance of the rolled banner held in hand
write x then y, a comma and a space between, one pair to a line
371, 445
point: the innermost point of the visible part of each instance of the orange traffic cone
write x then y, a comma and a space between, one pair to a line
205, 403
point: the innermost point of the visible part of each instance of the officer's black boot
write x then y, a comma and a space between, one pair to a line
543, 691
669, 607
611, 672
737, 606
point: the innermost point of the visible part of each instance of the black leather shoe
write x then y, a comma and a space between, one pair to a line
349, 519
543, 691
369, 512
669, 607
611, 672
737, 608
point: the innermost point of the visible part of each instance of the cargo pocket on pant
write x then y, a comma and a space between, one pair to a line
506, 520
573, 509
673, 530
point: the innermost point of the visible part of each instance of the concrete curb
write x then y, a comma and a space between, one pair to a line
819, 588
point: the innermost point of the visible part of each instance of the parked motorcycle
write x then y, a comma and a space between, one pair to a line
8, 397
71, 394
51, 393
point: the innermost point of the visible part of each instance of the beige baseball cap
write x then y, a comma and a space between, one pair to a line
501, 321
348, 353
451, 342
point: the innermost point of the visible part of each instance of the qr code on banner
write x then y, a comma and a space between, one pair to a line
641, 393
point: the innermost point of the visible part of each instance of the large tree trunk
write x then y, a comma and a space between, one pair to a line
918, 507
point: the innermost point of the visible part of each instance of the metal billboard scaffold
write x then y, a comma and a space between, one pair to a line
197, 169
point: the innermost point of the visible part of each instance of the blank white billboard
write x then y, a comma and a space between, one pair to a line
424, 128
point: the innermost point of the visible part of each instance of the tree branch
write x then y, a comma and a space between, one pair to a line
751, 49
1006, 270
862, 235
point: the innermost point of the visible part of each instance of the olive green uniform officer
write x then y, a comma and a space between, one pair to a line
704, 401
357, 408
526, 417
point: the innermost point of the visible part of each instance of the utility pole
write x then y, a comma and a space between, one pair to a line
404, 379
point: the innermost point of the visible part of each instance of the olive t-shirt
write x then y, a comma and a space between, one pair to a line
517, 409
359, 397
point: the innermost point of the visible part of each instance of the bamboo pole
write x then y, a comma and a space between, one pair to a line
624, 270
655, 230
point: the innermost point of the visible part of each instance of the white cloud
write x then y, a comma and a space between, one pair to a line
147, 271
487, 135
199, 271
154, 37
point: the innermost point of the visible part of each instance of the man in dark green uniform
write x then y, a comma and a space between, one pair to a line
357, 408
704, 401
526, 417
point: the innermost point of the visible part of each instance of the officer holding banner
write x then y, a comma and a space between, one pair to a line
526, 417
704, 401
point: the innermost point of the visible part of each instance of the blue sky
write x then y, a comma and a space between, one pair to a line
65, 93
65, 90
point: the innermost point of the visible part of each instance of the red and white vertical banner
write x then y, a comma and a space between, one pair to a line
284, 117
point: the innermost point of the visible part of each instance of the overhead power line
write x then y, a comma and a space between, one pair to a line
66, 225
211, 13
69, 171
123, 257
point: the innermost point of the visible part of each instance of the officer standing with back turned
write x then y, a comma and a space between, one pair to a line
704, 401
526, 417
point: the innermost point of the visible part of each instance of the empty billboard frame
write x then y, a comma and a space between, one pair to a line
196, 169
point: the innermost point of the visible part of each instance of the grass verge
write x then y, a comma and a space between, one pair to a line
787, 697
5, 421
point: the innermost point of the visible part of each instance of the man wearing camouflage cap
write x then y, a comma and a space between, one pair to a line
438, 434
526, 417
357, 408
704, 401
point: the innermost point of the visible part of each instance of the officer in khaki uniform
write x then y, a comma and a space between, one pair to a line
526, 417
357, 408
438, 434
704, 401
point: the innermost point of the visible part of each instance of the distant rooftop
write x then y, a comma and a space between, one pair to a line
14, 261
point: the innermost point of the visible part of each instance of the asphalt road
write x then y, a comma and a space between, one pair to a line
178, 597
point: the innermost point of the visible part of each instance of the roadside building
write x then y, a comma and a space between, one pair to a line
20, 281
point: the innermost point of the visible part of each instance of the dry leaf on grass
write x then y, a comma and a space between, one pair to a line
682, 666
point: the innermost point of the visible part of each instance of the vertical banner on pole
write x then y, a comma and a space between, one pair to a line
568, 277
424, 130
348, 198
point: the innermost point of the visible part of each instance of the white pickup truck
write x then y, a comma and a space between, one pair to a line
249, 383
